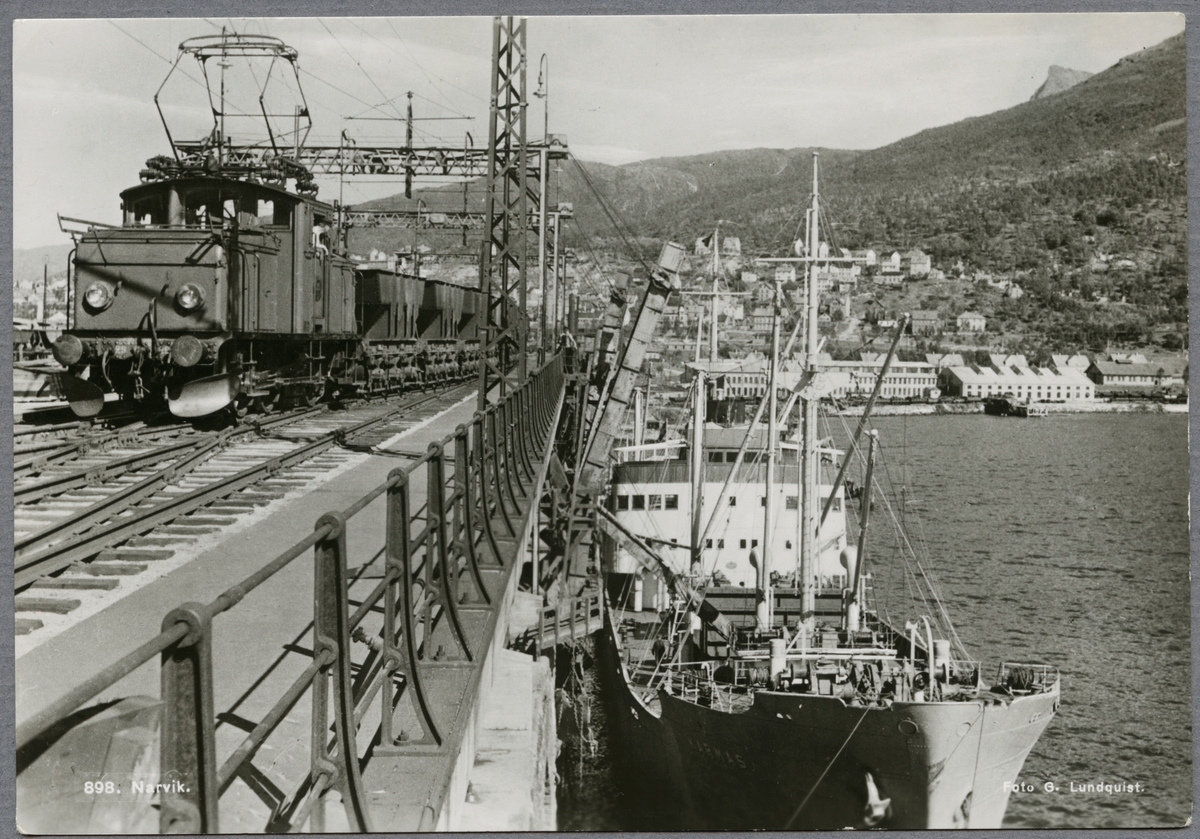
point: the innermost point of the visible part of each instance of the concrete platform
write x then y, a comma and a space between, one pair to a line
512, 781
261, 645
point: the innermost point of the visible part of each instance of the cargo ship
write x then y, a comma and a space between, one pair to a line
752, 682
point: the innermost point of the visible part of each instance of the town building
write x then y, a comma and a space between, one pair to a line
1036, 384
940, 361
1127, 373
916, 263
865, 256
925, 322
748, 377
971, 322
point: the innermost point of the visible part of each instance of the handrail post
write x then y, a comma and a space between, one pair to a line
437, 549
188, 760
512, 476
331, 646
522, 426
479, 475
464, 507
399, 561
498, 469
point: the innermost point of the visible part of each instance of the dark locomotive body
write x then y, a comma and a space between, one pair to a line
223, 293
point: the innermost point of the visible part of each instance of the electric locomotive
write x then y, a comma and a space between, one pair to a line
227, 285
223, 292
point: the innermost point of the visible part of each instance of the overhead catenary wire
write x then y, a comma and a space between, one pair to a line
155, 52
357, 63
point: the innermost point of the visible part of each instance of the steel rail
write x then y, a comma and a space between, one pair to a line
105, 508
60, 556
124, 436
52, 429
96, 474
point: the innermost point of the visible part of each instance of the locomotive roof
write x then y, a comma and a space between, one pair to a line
214, 182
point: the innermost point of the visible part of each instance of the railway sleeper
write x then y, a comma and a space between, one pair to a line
89, 583
125, 553
52, 605
187, 530
24, 626
109, 569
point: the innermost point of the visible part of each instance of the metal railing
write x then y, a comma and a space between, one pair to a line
570, 619
453, 554
1020, 677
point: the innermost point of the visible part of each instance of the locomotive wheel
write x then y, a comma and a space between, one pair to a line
311, 395
266, 404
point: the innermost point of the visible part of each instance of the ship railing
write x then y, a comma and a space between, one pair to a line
455, 553
1022, 678
965, 672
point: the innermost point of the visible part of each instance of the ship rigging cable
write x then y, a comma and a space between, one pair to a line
832, 761
609, 211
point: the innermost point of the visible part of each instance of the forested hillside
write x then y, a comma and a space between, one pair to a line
1083, 192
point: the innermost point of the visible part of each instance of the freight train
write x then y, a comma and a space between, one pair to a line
224, 290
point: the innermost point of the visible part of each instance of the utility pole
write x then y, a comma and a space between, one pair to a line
408, 128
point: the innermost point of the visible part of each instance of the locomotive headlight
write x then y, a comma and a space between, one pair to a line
189, 298
98, 297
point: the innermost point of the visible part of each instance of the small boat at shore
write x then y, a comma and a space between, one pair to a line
1008, 405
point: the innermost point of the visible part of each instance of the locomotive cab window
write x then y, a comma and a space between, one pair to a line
275, 213
151, 210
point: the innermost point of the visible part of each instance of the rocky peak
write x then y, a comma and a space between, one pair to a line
1058, 80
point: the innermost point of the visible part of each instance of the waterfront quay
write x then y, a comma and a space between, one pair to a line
377, 610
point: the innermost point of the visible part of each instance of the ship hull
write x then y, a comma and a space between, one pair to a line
801, 761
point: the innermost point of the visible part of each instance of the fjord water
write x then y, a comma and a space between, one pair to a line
1064, 540
1061, 540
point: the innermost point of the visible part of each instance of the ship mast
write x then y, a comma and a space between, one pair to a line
808, 461
765, 600
712, 329
697, 471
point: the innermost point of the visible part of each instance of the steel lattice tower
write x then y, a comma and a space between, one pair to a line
503, 261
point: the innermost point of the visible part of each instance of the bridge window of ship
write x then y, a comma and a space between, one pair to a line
708, 543
733, 501
655, 502
639, 502
672, 504
622, 502
716, 457
742, 544
793, 502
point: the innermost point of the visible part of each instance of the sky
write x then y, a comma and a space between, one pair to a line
620, 88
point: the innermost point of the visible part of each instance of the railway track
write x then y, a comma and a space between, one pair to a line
95, 526
30, 441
